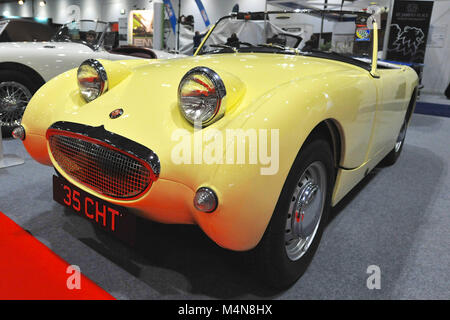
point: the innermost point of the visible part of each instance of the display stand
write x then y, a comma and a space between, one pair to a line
8, 160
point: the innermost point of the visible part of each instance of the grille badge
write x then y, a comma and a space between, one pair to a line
116, 114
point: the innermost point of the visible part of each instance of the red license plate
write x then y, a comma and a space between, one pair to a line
109, 217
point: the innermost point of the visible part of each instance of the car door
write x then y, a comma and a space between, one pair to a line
391, 99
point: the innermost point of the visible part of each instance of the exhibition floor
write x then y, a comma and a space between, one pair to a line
433, 104
30, 270
434, 98
397, 218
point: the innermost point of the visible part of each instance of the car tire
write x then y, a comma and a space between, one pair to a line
24, 88
393, 156
276, 262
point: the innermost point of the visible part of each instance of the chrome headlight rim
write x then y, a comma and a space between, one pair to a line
102, 74
219, 87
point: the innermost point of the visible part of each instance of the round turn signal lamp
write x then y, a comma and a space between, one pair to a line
206, 200
19, 133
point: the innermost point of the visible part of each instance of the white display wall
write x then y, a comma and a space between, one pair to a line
436, 71
110, 10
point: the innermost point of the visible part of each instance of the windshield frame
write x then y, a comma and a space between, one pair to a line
296, 51
95, 47
3, 27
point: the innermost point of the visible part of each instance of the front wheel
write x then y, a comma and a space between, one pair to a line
16, 91
393, 156
296, 227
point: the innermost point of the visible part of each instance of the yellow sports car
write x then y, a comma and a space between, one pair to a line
252, 139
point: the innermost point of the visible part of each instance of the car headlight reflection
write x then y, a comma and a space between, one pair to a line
92, 80
200, 96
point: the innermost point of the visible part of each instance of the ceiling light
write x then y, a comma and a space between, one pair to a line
21, 2
42, 3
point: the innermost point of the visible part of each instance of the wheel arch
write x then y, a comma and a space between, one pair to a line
33, 74
330, 129
412, 104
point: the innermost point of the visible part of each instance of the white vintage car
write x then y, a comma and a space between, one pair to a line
26, 66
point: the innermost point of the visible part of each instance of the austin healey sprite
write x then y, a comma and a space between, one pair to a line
253, 138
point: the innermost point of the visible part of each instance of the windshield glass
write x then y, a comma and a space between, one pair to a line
3, 25
88, 32
318, 33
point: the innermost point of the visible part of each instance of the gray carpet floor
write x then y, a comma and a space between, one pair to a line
398, 218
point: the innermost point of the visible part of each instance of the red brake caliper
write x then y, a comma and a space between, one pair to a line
298, 216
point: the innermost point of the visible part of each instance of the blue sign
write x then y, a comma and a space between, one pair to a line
171, 13
203, 12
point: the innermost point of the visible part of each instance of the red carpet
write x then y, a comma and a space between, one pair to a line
31, 271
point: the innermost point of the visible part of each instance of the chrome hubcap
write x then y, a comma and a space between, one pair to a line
305, 211
14, 98
401, 138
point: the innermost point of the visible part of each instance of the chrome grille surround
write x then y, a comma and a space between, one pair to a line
96, 160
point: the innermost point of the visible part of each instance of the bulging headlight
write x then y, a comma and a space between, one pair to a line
200, 96
92, 79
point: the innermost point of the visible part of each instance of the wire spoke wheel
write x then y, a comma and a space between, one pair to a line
305, 210
14, 98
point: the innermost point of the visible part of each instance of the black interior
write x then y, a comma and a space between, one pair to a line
22, 30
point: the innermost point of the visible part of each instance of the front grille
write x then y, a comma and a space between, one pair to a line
100, 166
